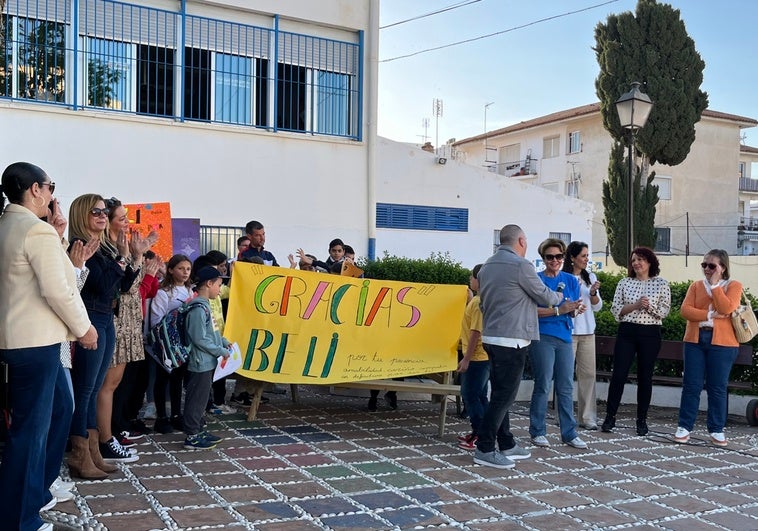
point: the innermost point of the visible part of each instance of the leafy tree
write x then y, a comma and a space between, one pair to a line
651, 46
102, 81
614, 204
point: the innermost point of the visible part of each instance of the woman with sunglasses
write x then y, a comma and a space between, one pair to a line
111, 272
710, 346
41, 308
552, 357
641, 301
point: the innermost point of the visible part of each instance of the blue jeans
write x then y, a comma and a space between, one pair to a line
704, 362
41, 416
474, 392
552, 357
506, 369
88, 373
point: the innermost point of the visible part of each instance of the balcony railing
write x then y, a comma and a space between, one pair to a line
518, 168
748, 185
748, 223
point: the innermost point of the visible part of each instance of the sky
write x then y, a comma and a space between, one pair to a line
538, 69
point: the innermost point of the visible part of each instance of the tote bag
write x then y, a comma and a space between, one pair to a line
744, 322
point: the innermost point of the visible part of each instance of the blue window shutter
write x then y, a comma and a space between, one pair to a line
420, 217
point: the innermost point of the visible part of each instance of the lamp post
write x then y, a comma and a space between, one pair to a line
633, 109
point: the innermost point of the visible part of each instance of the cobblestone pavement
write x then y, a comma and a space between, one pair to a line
327, 463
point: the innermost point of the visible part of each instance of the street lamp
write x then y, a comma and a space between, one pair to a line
633, 109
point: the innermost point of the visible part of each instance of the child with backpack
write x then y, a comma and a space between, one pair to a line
206, 346
175, 290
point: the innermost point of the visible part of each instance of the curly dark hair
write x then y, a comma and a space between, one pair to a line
650, 258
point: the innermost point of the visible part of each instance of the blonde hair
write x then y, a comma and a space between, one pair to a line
551, 242
78, 216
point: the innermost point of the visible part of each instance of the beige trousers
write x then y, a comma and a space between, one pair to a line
584, 352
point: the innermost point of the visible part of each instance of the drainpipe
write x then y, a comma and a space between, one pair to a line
372, 58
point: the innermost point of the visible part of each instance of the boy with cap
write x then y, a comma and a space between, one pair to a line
206, 346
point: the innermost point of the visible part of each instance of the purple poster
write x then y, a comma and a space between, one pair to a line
186, 235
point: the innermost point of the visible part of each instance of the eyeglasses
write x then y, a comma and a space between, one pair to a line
549, 257
709, 267
51, 184
98, 212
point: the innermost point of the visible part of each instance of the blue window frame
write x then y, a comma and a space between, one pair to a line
418, 217
127, 57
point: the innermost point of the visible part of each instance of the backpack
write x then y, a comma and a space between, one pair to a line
167, 341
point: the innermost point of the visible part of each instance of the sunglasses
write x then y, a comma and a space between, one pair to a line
709, 267
549, 257
98, 212
112, 202
51, 185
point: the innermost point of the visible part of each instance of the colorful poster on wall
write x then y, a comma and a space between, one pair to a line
186, 237
147, 217
313, 328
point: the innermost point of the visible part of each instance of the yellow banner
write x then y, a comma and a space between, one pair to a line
314, 328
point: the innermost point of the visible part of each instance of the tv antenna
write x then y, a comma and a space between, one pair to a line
425, 125
437, 112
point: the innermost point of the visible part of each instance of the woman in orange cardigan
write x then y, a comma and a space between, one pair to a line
710, 346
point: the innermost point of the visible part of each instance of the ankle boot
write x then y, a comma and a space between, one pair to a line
94, 450
642, 427
80, 461
608, 424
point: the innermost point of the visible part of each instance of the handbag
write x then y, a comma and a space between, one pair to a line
744, 322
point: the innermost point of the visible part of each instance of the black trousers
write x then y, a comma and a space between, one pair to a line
644, 343
129, 395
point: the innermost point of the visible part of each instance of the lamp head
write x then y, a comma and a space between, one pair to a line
633, 108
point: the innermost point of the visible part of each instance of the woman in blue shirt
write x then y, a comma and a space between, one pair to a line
553, 355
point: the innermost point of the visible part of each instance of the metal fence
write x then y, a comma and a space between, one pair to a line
222, 239
130, 58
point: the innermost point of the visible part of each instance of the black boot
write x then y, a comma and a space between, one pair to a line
608, 424
391, 398
372, 403
642, 427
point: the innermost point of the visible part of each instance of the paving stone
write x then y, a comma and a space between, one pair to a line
246, 494
184, 499
105, 487
732, 520
552, 521
689, 524
601, 495
646, 510
156, 471
397, 453
466, 511
353, 522
288, 475
266, 511
132, 522
412, 518
378, 468
326, 506
403, 480
201, 517
448, 475
262, 463
381, 500
303, 489
247, 452
726, 498
421, 463
561, 499
600, 517
563, 479
514, 505
353, 485
431, 495
480, 489
331, 471
118, 504
221, 480
687, 504
521, 484
602, 475
211, 467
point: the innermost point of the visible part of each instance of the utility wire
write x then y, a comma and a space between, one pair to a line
437, 12
497, 32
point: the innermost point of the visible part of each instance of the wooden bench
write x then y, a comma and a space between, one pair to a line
674, 351
443, 390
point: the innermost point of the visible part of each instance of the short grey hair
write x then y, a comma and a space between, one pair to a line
510, 234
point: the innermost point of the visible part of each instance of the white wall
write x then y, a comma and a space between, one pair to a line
411, 176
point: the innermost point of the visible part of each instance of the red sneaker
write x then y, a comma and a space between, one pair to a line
464, 436
470, 444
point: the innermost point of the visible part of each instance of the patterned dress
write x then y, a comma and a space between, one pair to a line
129, 346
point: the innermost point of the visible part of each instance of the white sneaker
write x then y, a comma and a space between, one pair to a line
718, 438
59, 484
62, 495
682, 436
576, 442
47, 526
541, 441
49, 505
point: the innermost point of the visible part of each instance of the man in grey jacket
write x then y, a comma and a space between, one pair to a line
510, 291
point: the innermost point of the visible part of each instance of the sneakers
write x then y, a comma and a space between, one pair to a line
516, 453
49, 505
47, 526
243, 399
61, 495
113, 452
221, 409
465, 436
576, 442
124, 441
682, 436
718, 439
608, 424
469, 443
147, 411
163, 425
132, 435
198, 442
210, 437
493, 459
589, 427
137, 425
60, 484
642, 428
541, 441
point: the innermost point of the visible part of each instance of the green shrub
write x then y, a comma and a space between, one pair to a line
673, 329
439, 268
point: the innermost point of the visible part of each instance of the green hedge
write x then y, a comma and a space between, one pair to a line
673, 329
439, 268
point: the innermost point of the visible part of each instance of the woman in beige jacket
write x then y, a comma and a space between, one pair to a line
40, 307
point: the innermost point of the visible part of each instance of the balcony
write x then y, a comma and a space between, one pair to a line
747, 223
748, 185
519, 168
